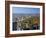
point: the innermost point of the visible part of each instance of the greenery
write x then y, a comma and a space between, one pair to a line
29, 21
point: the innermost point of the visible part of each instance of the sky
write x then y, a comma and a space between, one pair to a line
24, 10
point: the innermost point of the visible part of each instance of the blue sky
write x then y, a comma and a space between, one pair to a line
24, 10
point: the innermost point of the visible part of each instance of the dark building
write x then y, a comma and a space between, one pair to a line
14, 26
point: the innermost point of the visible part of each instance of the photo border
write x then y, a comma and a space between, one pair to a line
7, 18
26, 31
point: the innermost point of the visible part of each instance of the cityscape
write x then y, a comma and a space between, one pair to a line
26, 22
24, 18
